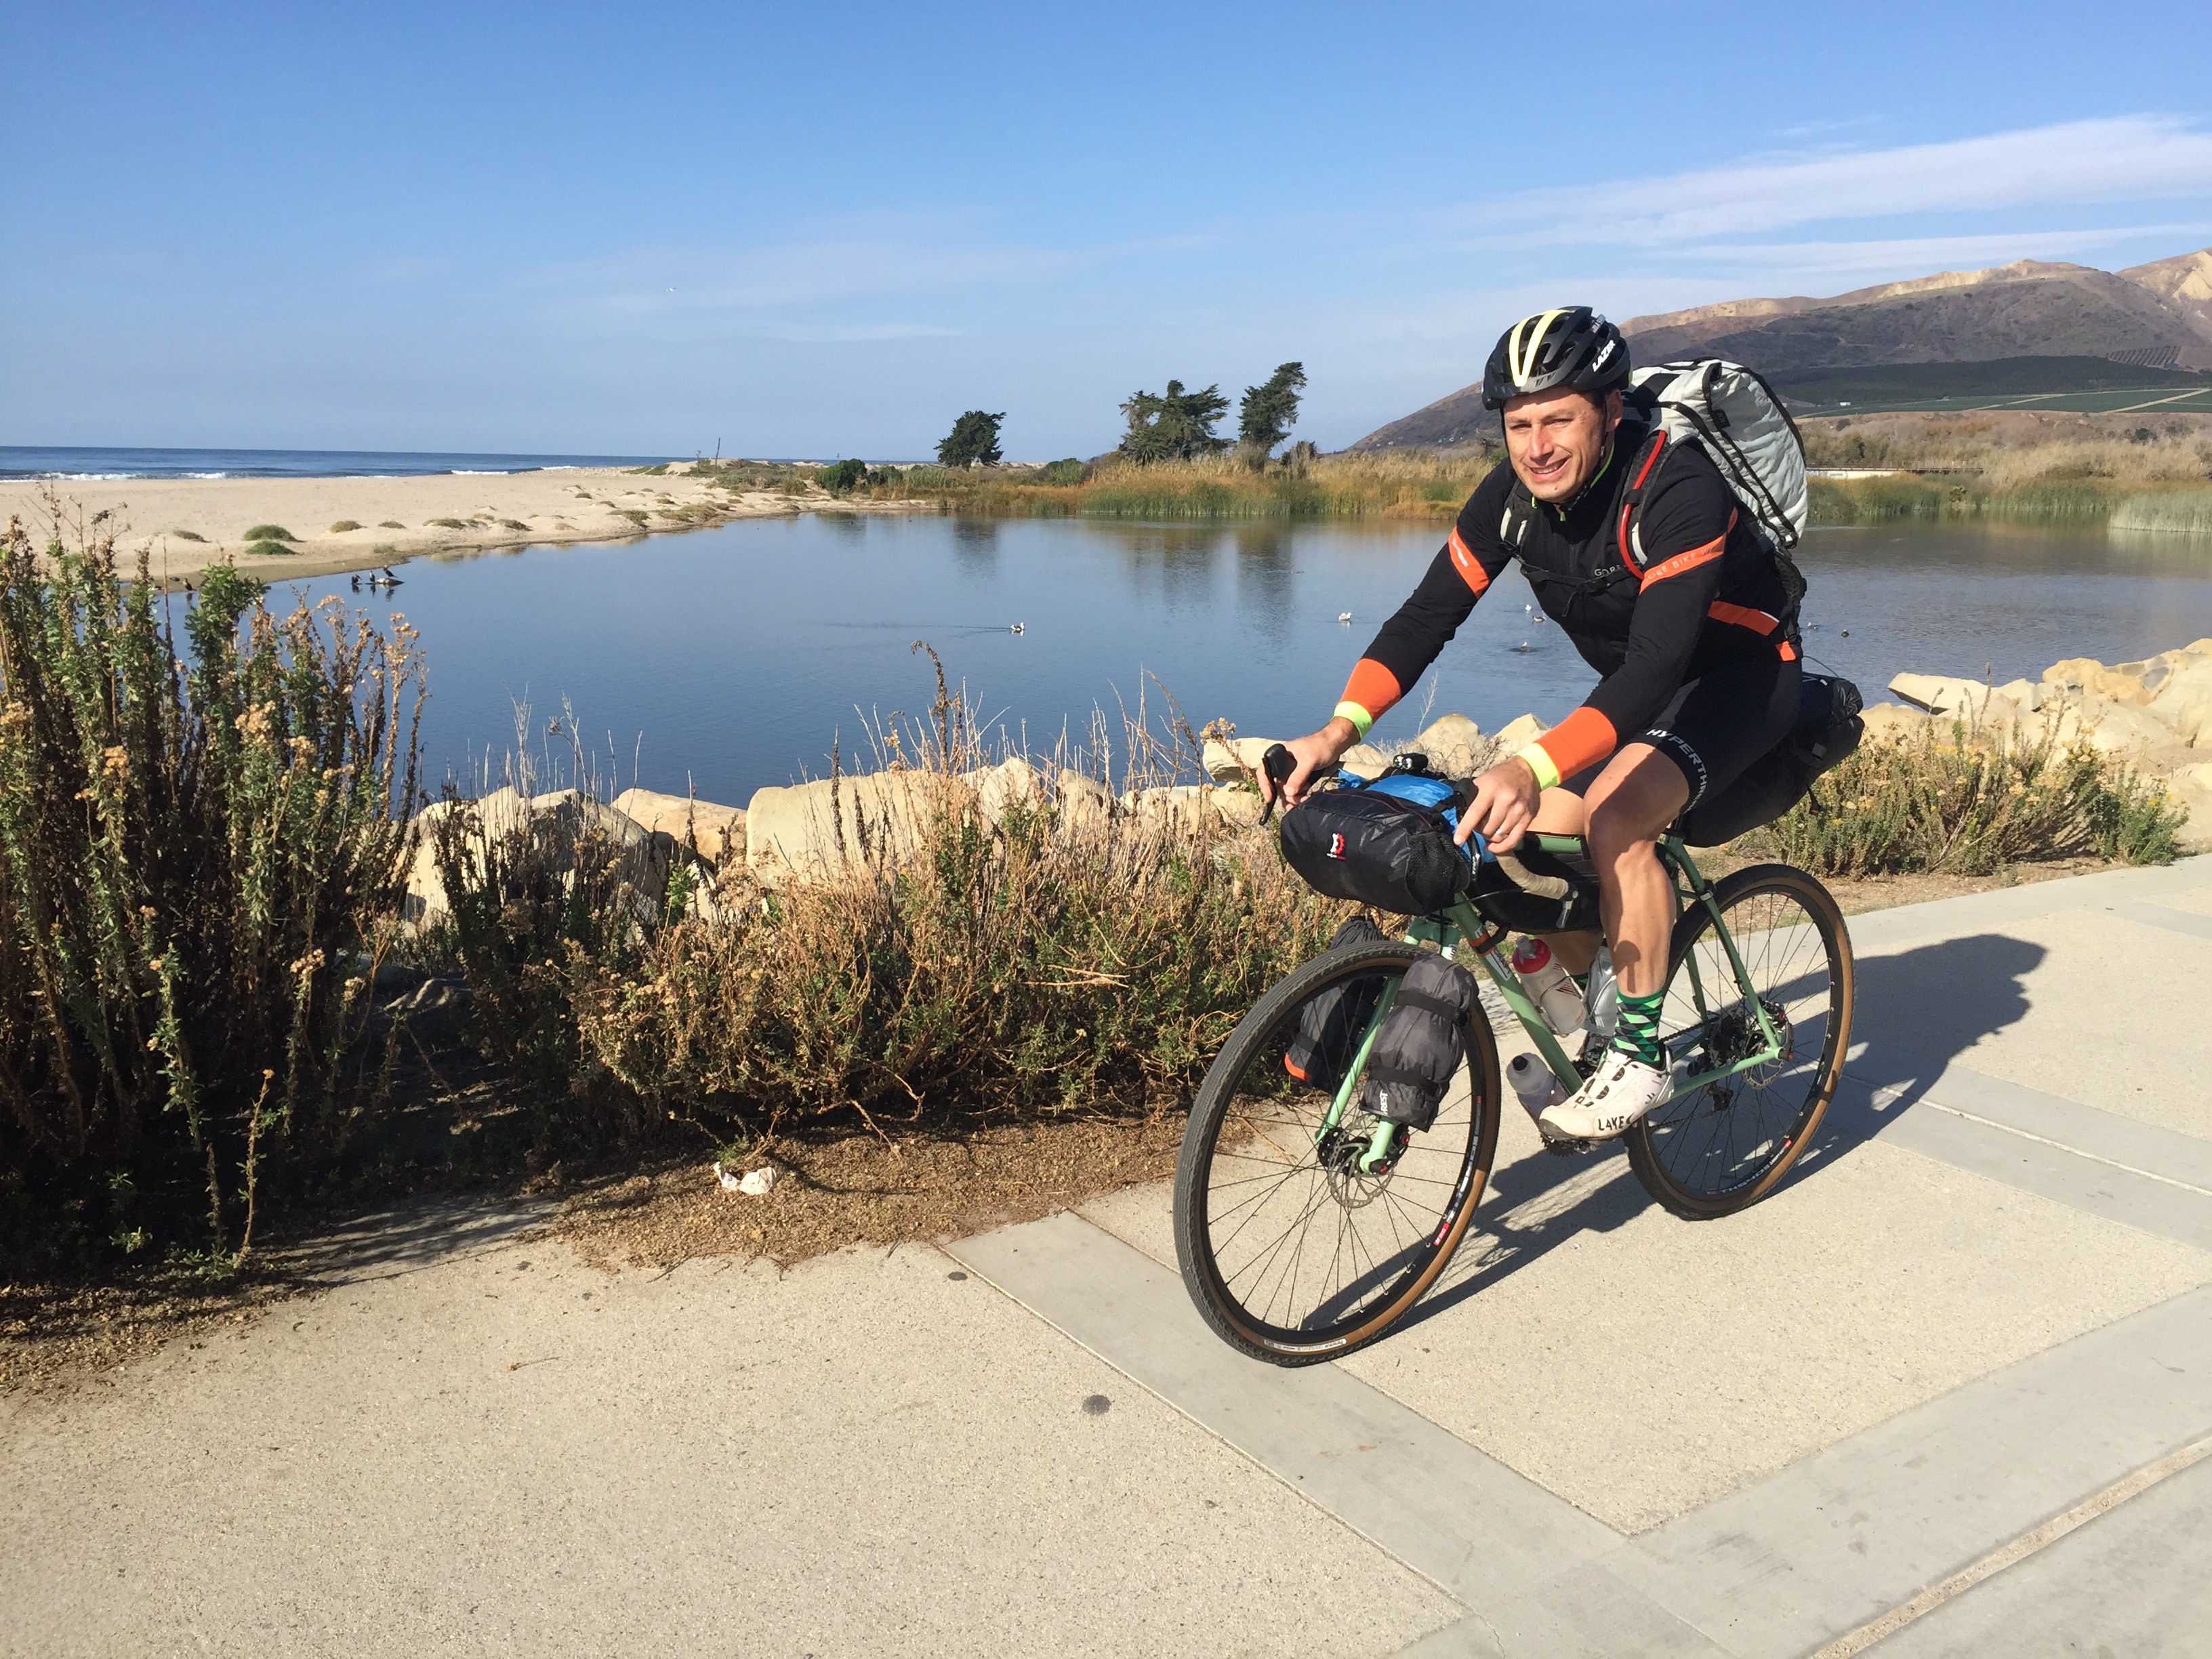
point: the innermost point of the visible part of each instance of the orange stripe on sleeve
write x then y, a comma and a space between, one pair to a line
1373, 687
1582, 739
1463, 561
1689, 561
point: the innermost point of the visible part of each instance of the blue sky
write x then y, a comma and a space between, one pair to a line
827, 229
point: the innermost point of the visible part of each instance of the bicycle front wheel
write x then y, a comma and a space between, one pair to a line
1293, 1253
1725, 1145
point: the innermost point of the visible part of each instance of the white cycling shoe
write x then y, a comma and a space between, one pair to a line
1618, 1093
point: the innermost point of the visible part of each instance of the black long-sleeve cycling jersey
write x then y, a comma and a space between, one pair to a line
1692, 588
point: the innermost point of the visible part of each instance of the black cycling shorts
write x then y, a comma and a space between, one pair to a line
1718, 724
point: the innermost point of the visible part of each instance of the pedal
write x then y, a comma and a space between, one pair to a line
1565, 1146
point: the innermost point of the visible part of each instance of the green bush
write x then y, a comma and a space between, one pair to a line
449, 524
198, 859
267, 550
390, 524
188, 535
1062, 472
344, 525
839, 479
269, 533
1970, 802
513, 524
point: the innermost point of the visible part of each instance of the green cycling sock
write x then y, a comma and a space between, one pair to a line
1637, 1036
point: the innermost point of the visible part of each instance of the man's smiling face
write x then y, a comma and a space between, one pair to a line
1556, 440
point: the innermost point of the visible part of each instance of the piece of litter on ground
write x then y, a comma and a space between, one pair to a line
728, 1178
757, 1181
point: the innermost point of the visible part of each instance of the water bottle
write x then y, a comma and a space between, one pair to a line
1601, 999
1533, 1081
1549, 986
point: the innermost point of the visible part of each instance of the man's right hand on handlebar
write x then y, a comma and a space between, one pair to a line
1315, 753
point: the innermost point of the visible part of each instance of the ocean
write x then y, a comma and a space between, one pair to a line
17, 462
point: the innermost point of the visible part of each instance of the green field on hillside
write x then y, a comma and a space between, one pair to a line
2073, 384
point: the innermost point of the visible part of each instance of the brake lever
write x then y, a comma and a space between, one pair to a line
1278, 764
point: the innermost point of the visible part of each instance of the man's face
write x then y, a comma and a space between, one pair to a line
1556, 440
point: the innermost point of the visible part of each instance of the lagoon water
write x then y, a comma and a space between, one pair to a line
728, 659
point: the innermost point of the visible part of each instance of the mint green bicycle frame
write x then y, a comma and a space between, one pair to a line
1462, 921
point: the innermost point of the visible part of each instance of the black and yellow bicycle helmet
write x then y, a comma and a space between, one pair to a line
1571, 346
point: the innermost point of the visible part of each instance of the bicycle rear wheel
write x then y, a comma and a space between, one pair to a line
1291, 1252
1724, 1146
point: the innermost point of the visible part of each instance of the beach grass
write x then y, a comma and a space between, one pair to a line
188, 535
1046, 961
513, 524
449, 524
344, 525
390, 524
1962, 800
269, 533
268, 550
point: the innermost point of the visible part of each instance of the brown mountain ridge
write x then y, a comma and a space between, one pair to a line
2153, 316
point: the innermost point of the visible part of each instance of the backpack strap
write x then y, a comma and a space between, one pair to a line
1643, 473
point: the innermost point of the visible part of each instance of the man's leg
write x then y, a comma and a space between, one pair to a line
1563, 812
1634, 800
1630, 805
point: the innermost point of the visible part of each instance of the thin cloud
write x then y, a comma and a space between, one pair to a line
2129, 158
1919, 256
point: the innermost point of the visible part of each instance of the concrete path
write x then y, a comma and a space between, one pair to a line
1948, 1392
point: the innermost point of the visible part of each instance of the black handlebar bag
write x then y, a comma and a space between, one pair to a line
1375, 845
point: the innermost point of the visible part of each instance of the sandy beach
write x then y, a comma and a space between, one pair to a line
188, 524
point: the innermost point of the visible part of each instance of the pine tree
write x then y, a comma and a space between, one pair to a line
973, 441
1174, 425
1270, 411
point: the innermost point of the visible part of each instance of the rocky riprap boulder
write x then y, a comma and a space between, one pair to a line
2156, 714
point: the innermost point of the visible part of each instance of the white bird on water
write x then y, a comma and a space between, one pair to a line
1344, 615
1018, 627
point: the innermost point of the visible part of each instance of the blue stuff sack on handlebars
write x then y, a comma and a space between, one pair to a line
1388, 843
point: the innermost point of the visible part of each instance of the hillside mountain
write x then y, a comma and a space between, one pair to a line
2155, 316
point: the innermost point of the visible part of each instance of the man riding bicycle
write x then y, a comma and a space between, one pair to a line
1640, 555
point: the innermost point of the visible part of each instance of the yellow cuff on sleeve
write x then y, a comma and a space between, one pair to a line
1540, 763
1360, 719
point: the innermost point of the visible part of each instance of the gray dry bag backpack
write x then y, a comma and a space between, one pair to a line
1423, 1040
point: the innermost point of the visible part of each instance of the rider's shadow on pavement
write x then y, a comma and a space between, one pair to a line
1920, 1009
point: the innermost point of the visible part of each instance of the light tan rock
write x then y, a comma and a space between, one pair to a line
1894, 722
2183, 703
2087, 675
1239, 809
2191, 786
2112, 727
816, 829
1455, 745
1083, 803
1237, 761
1185, 806
565, 818
1518, 733
1011, 782
1365, 760
719, 829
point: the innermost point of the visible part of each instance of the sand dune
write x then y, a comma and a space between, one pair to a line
165, 515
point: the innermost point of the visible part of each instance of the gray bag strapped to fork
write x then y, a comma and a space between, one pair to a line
1331, 1024
1423, 1040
